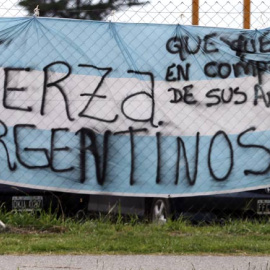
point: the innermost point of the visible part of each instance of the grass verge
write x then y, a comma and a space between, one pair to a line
46, 233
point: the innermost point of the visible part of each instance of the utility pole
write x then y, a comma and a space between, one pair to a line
195, 12
246, 14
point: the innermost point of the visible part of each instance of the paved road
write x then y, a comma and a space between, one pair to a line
134, 262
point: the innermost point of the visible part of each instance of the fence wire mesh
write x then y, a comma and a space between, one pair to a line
68, 83
211, 13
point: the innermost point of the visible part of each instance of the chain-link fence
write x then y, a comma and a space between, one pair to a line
155, 114
211, 13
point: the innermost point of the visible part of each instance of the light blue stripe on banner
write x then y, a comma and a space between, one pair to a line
250, 154
37, 42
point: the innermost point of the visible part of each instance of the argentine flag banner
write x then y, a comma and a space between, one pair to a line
133, 109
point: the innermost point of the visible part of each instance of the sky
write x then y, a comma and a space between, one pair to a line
217, 13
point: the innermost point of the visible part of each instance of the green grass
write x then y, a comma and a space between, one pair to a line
29, 234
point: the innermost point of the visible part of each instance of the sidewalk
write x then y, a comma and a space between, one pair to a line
134, 262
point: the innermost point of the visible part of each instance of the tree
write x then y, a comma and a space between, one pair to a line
77, 9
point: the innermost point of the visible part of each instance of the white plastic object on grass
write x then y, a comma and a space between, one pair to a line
2, 225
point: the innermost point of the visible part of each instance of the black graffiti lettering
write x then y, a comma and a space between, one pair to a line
93, 148
229, 99
209, 46
211, 94
132, 152
150, 96
158, 178
264, 43
187, 97
94, 95
174, 46
236, 45
181, 72
259, 94
247, 68
233, 92
212, 173
241, 45
230, 43
177, 95
196, 40
219, 96
13, 89
28, 149
170, 74
58, 149
224, 70
56, 84
180, 143
240, 93
11, 166
183, 47
249, 46
210, 69
214, 69
261, 69
267, 150
131, 132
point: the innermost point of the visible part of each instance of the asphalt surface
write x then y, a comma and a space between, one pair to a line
133, 262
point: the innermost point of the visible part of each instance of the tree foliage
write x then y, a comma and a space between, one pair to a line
77, 9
